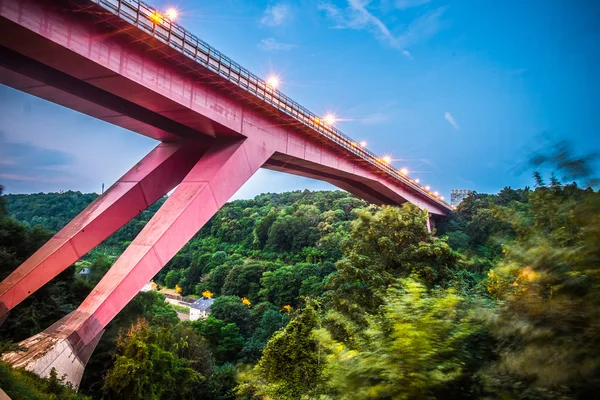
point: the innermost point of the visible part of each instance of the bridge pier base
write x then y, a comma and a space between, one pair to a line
54, 348
430, 224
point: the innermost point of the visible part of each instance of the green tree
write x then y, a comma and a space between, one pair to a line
244, 280
230, 309
547, 323
224, 339
284, 233
216, 279
151, 364
221, 384
281, 286
172, 278
416, 349
385, 244
98, 268
3, 206
270, 322
25, 385
190, 278
152, 307
291, 366
231, 343
261, 231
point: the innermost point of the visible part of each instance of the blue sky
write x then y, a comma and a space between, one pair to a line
459, 92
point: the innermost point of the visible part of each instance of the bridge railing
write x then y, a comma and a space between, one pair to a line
162, 28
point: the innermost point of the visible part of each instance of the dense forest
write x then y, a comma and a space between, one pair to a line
319, 295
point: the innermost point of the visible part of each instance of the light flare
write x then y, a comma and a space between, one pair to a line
273, 81
330, 118
171, 13
156, 17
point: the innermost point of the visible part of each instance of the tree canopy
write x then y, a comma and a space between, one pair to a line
320, 295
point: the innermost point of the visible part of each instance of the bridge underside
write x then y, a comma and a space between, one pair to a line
213, 140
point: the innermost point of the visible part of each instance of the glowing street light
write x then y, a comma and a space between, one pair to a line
363, 144
442, 198
171, 13
417, 180
436, 193
156, 17
404, 171
329, 119
427, 187
387, 159
273, 81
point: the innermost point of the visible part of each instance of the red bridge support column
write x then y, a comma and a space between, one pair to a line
67, 345
150, 179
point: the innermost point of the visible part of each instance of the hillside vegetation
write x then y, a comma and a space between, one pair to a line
322, 296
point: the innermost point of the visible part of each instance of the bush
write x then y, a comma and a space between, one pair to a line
19, 384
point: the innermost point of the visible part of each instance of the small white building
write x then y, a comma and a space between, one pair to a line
200, 308
148, 287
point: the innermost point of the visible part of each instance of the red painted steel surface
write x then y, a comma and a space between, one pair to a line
158, 173
223, 169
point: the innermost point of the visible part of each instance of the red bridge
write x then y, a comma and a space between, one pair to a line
123, 62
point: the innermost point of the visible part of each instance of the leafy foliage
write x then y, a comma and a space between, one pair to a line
224, 339
501, 302
24, 385
290, 364
157, 362
548, 283
415, 348
387, 244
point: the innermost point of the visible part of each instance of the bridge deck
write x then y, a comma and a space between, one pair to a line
151, 22
103, 70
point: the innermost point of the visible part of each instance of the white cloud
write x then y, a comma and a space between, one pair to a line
421, 28
357, 16
407, 54
270, 44
276, 15
451, 120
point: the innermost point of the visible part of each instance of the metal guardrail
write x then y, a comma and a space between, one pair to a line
154, 23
